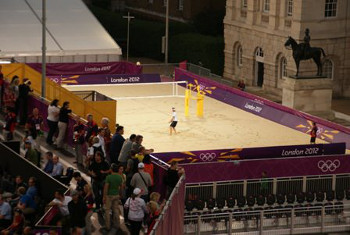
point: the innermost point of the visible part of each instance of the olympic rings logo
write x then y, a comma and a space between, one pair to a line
328, 165
207, 157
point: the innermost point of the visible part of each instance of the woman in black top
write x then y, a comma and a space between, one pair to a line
63, 123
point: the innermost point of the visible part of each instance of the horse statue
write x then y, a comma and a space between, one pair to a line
310, 53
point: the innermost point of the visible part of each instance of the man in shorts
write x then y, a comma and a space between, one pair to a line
173, 121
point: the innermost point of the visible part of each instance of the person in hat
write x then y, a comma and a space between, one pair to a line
137, 209
173, 121
142, 180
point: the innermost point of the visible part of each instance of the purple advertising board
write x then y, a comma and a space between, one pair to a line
105, 79
328, 131
58, 69
252, 153
280, 167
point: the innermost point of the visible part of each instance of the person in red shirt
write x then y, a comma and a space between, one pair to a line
149, 167
313, 133
17, 225
10, 119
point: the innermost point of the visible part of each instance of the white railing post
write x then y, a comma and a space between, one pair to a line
304, 184
199, 225
292, 221
274, 186
261, 222
245, 184
230, 223
334, 182
214, 190
322, 219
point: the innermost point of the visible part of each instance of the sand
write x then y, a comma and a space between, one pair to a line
222, 126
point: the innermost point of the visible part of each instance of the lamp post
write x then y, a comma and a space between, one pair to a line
166, 32
43, 50
127, 43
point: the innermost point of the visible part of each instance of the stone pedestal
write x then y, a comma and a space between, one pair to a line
310, 95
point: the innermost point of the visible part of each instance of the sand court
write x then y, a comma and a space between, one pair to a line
223, 126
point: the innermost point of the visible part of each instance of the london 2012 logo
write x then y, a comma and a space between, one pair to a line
207, 157
329, 165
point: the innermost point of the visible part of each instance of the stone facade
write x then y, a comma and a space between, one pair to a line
256, 30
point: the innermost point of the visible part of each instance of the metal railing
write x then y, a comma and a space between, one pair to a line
284, 185
303, 220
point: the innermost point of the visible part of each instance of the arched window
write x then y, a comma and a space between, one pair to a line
283, 67
239, 56
328, 69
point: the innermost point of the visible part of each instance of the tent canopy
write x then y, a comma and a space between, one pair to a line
71, 30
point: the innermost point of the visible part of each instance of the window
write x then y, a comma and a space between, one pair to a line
165, 2
330, 8
266, 5
244, 4
259, 52
239, 56
181, 5
283, 68
289, 7
328, 69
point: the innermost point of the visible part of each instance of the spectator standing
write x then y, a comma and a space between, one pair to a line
52, 120
49, 163
107, 135
9, 97
31, 154
241, 85
77, 211
137, 209
80, 182
1, 86
122, 190
35, 123
57, 170
149, 167
101, 138
5, 214
111, 197
10, 125
142, 180
172, 177
125, 152
313, 133
264, 183
24, 90
14, 86
138, 143
79, 140
116, 144
98, 171
63, 123
91, 127
89, 200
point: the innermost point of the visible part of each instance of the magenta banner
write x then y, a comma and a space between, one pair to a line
252, 169
57, 69
252, 153
105, 79
297, 120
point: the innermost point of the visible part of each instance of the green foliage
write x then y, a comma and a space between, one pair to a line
196, 47
210, 22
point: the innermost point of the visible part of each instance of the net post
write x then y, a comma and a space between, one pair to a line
200, 100
187, 100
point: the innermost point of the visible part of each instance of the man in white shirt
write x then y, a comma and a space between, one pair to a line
173, 121
61, 201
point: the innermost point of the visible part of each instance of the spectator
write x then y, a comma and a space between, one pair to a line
77, 211
137, 209
89, 200
52, 120
49, 163
57, 170
172, 177
24, 90
17, 224
79, 140
63, 123
35, 123
121, 173
116, 144
141, 180
313, 133
80, 182
26, 203
107, 135
149, 167
32, 190
137, 144
140, 154
111, 198
125, 152
98, 171
31, 154
96, 147
241, 85
61, 201
100, 135
9, 97
5, 214
154, 212
19, 182
15, 89
264, 183
91, 126
10, 125
1, 86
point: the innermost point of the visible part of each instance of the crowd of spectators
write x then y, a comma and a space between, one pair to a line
121, 171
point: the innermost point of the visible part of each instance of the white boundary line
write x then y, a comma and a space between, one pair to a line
125, 84
147, 97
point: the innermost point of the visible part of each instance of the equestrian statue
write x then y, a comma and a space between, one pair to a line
303, 51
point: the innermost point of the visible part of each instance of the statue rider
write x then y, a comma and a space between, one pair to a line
306, 42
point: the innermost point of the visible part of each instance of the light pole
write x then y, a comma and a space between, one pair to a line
127, 43
43, 50
166, 32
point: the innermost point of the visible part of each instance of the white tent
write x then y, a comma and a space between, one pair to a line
73, 34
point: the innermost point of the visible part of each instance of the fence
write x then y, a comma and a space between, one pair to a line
293, 185
293, 220
91, 95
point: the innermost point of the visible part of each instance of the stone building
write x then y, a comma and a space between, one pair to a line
256, 30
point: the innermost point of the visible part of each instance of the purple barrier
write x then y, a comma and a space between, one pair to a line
46, 231
105, 79
159, 175
252, 153
297, 120
53, 69
252, 169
